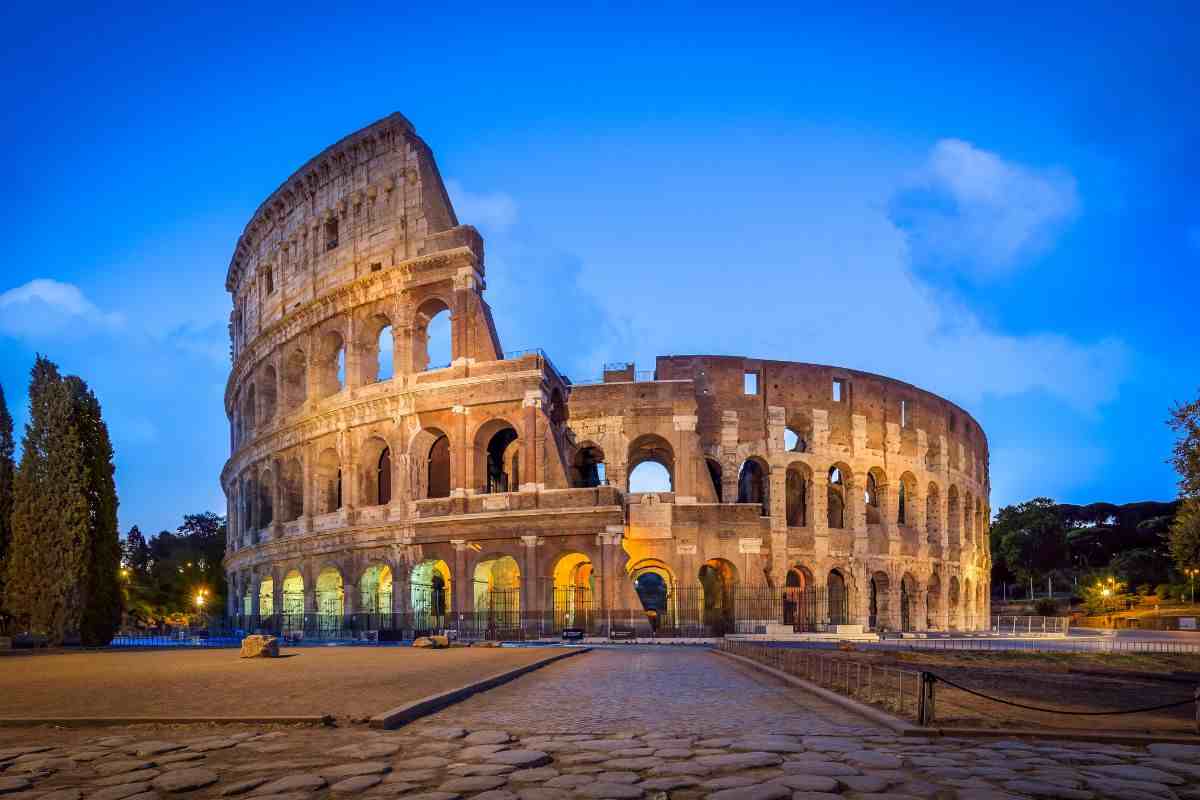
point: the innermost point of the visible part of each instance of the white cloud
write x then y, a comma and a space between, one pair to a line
44, 306
971, 209
494, 212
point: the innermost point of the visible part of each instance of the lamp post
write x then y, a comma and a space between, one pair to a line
1192, 573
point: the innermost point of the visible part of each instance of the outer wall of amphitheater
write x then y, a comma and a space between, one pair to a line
360, 474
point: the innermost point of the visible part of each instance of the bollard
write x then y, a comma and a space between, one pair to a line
925, 704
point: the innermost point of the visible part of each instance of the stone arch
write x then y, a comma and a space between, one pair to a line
587, 468
933, 516
838, 508
714, 474
330, 598
497, 587
429, 454
933, 602
796, 488
377, 473
954, 519
266, 497
377, 348
651, 448
799, 596
837, 597
329, 364
270, 381
968, 605
754, 485
718, 581
432, 593
266, 597
574, 585
295, 379
909, 605
291, 490
328, 477
375, 588
497, 457
952, 601
874, 492
249, 412
968, 521
879, 600
654, 585
293, 596
431, 320
906, 500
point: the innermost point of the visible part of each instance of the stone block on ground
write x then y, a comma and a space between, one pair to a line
256, 646
437, 642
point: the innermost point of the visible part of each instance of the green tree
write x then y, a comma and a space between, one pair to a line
64, 556
1029, 538
102, 601
6, 492
1184, 537
1185, 456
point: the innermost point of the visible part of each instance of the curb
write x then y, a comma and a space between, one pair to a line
1066, 734
862, 709
83, 722
410, 712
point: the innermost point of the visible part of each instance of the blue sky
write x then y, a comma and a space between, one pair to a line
997, 205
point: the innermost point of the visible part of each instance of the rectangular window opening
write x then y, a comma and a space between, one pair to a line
837, 390
750, 382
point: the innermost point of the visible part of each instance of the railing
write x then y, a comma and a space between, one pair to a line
891, 688
1064, 645
1030, 626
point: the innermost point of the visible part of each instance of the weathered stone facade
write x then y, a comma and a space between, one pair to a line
335, 472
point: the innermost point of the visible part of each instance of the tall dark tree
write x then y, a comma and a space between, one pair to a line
1030, 538
102, 600
64, 557
6, 490
1184, 536
137, 553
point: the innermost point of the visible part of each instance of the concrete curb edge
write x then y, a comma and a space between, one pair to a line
81, 722
410, 712
862, 709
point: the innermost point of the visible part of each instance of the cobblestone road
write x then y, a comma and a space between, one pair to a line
644, 689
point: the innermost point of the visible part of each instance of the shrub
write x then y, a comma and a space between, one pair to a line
1163, 592
1145, 590
1045, 608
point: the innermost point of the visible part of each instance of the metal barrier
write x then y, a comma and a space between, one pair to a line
1067, 645
1030, 626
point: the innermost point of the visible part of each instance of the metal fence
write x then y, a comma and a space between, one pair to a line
896, 690
1030, 626
1064, 645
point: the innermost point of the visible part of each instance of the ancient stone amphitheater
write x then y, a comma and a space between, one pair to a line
370, 490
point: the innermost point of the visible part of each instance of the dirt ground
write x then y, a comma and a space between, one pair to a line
346, 682
1055, 680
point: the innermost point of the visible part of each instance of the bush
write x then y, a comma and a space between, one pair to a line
1145, 590
1045, 608
1163, 592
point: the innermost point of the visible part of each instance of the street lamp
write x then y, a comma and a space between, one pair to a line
1192, 573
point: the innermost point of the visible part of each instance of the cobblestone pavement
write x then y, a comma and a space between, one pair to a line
677, 690
468, 755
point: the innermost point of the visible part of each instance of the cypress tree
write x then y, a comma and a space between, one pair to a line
101, 602
6, 489
65, 555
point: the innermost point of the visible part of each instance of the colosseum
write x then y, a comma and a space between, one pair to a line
370, 490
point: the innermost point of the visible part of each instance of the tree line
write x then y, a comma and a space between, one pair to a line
1146, 547
59, 548
163, 575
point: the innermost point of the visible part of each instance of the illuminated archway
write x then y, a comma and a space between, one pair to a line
375, 589
293, 602
498, 586
574, 587
654, 583
331, 597
717, 580
431, 594
266, 597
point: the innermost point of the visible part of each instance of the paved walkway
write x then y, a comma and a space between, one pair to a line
683, 691
540, 739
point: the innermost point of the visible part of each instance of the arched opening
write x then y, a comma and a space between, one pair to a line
933, 602
383, 476
574, 585
714, 474
952, 602
269, 382
799, 599
717, 580
330, 364
293, 601
968, 605
836, 498
652, 583
329, 482
871, 497
587, 471
291, 492
250, 412
753, 486
432, 336
954, 519
908, 602
980, 605
968, 528
933, 517
379, 350
375, 590
430, 594
266, 498
837, 598
797, 495
497, 593
266, 597
794, 441
500, 449
376, 474
651, 465
331, 598
295, 380
879, 613
437, 466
